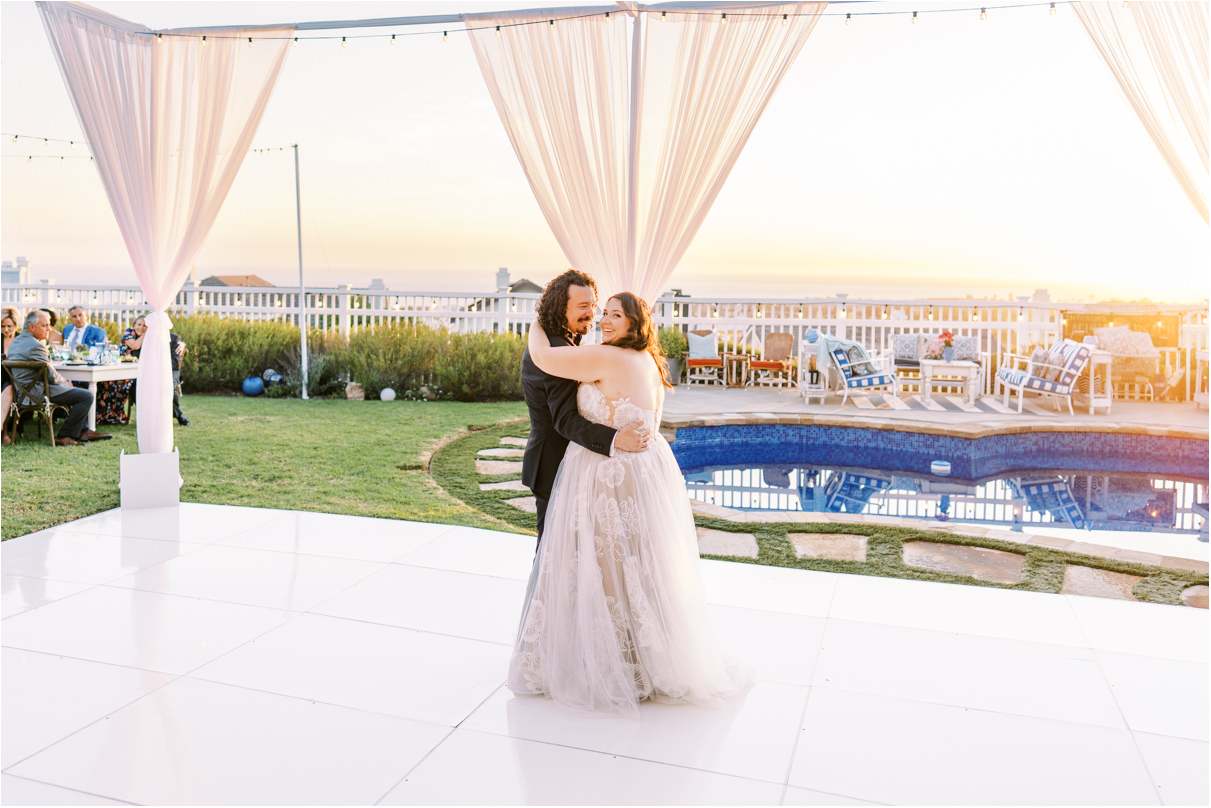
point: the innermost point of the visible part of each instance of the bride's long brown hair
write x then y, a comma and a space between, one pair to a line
641, 336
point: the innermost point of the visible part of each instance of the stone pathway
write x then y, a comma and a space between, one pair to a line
979, 563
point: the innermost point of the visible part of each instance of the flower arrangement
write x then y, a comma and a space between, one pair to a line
936, 347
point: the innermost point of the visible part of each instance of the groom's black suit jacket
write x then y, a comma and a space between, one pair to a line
554, 421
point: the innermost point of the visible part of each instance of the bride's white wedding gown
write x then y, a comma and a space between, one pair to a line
615, 611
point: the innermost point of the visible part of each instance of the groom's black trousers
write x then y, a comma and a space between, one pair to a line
541, 500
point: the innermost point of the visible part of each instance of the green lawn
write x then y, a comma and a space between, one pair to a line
363, 458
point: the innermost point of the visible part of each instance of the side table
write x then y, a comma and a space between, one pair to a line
939, 371
809, 389
735, 369
1101, 388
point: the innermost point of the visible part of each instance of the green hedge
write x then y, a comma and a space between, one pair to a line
415, 360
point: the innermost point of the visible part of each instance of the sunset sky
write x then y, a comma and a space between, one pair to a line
951, 157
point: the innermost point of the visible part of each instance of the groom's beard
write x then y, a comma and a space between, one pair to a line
580, 327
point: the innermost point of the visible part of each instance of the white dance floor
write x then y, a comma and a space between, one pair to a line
241, 656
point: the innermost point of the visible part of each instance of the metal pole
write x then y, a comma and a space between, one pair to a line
298, 211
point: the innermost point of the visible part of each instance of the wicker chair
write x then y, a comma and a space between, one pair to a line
774, 366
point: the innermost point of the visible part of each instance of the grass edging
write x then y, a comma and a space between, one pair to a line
453, 468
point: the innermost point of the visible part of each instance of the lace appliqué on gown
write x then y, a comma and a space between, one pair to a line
614, 610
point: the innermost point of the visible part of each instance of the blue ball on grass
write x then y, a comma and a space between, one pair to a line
254, 386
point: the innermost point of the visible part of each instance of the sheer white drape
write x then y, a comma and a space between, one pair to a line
169, 122
1158, 54
627, 129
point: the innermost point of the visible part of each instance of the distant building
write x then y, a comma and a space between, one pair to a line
377, 284
234, 280
522, 286
15, 273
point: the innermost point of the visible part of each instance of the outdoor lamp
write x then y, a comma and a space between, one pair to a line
983, 14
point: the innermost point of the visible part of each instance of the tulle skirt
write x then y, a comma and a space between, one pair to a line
615, 611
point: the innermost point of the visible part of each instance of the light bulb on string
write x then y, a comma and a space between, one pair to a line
203, 42
784, 20
983, 14
71, 143
847, 19
914, 18
445, 36
551, 25
15, 138
607, 16
1126, 4
295, 43
393, 39
664, 15
250, 42
29, 159
344, 43
159, 38
46, 141
723, 20
498, 31
1051, 11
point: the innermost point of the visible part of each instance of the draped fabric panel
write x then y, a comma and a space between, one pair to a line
169, 121
1157, 53
627, 129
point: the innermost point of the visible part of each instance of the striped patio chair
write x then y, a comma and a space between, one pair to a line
1053, 373
860, 372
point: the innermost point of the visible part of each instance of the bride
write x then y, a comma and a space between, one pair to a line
614, 611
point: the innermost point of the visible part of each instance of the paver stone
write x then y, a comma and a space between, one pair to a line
832, 546
1098, 583
978, 562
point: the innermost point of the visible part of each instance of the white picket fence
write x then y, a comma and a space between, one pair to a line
1001, 325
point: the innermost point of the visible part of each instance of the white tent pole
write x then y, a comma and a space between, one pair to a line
298, 212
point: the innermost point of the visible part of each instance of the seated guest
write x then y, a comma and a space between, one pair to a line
79, 332
8, 326
26, 347
132, 345
53, 337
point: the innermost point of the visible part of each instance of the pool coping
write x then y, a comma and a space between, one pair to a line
670, 424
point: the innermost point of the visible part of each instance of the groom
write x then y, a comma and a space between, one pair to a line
566, 310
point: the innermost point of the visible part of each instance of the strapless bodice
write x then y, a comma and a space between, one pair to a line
594, 406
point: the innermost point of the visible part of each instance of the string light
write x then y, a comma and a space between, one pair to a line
498, 32
204, 41
983, 14
847, 19
664, 16
71, 143
723, 21
250, 42
159, 38
784, 20
1052, 10
295, 43
445, 36
393, 39
551, 26
607, 16
14, 138
344, 44
914, 18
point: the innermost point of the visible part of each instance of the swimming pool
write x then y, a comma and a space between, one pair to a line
1089, 480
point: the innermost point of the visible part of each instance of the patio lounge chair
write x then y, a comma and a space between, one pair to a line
774, 366
859, 371
1053, 373
704, 365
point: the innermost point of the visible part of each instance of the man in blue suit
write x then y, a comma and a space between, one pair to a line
80, 332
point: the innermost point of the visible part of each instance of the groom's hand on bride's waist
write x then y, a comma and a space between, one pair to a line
633, 438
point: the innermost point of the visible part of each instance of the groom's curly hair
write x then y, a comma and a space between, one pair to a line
552, 307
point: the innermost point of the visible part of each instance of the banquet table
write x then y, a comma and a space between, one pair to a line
92, 374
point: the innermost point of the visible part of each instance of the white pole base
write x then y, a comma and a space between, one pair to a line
150, 480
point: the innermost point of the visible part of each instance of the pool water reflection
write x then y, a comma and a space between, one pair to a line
1082, 499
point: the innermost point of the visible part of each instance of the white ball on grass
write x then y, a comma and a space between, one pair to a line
387, 395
